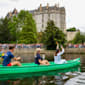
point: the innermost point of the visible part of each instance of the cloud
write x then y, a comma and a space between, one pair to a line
82, 29
2, 4
14, 0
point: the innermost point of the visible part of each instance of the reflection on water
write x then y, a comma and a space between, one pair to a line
10, 82
42, 80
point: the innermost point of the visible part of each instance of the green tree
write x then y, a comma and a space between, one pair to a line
51, 35
23, 28
5, 35
72, 29
13, 27
79, 38
27, 23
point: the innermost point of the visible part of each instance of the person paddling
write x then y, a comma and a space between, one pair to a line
8, 56
38, 58
1, 54
57, 56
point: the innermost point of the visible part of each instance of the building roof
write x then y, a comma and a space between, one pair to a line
49, 8
15, 11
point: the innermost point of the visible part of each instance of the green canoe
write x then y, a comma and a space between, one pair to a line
32, 69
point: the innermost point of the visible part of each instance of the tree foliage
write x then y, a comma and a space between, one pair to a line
21, 28
79, 38
13, 26
51, 35
5, 35
28, 32
72, 29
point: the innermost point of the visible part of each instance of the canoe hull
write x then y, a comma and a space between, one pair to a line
31, 69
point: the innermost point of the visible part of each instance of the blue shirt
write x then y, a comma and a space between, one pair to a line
38, 57
7, 58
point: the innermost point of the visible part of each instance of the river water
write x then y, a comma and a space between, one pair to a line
60, 79
42, 80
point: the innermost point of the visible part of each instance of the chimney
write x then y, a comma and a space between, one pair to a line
40, 7
15, 11
47, 5
10, 14
55, 5
58, 4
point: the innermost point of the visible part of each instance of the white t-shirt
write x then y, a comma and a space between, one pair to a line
57, 59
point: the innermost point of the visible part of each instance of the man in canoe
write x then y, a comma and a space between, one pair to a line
8, 56
2, 52
38, 58
57, 56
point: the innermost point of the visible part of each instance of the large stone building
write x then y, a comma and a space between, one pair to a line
43, 14
13, 13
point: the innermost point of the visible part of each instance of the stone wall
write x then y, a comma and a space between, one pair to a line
70, 53
71, 35
27, 55
67, 51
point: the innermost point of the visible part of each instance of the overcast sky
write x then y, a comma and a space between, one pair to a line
75, 13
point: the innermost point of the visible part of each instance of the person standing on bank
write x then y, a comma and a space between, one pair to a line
38, 59
57, 56
8, 56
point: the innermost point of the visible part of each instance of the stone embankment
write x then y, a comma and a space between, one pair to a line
67, 50
70, 53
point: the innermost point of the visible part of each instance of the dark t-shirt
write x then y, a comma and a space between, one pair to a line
38, 57
7, 58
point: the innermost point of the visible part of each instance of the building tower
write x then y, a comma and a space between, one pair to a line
45, 13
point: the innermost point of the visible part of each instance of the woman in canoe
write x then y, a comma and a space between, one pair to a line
8, 56
57, 56
38, 58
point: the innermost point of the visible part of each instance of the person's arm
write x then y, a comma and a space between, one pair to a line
57, 47
40, 61
16, 58
60, 53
